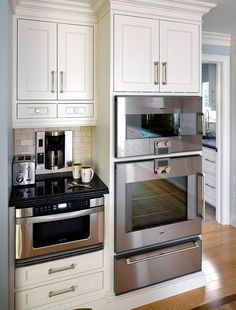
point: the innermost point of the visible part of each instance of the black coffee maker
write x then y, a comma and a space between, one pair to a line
54, 149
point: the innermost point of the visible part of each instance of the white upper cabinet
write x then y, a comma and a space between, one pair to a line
75, 62
155, 56
135, 53
55, 61
179, 55
37, 62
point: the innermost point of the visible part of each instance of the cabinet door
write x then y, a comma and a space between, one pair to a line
136, 53
36, 60
75, 62
179, 54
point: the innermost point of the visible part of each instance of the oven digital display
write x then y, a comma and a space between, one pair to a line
62, 205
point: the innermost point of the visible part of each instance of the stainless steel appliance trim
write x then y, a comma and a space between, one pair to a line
63, 291
60, 269
58, 217
26, 212
54, 133
96, 202
165, 252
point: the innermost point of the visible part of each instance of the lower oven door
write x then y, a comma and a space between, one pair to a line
140, 270
46, 235
157, 201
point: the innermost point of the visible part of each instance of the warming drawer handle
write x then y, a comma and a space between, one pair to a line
60, 269
139, 260
58, 217
64, 291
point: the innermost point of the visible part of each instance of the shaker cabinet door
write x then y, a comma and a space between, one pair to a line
136, 54
75, 62
179, 54
37, 63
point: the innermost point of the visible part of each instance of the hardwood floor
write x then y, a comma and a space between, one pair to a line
219, 265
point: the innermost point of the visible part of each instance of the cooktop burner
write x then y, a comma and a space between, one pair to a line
56, 185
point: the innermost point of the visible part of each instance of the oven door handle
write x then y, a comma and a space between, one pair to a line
202, 212
58, 217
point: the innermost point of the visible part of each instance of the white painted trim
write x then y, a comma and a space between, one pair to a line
214, 38
157, 292
223, 136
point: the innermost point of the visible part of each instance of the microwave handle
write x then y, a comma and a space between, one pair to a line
201, 210
58, 217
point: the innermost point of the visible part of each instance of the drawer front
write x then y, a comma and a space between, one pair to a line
209, 165
156, 266
51, 271
35, 111
210, 189
58, 291
75, 110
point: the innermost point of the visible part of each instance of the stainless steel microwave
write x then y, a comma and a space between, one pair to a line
148, 125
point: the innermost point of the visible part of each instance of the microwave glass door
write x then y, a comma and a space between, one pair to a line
58, 232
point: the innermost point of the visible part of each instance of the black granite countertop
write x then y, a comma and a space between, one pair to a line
56, 187
209, 142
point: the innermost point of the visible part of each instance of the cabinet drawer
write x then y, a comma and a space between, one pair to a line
210, 189
58, 291
51, 271
209, 162
36, 111
75, 110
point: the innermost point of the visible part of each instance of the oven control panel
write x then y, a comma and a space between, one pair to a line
70, 206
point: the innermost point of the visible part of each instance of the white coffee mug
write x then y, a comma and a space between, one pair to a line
76, 167
87, 174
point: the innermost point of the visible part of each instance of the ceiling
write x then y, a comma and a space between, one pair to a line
222, 18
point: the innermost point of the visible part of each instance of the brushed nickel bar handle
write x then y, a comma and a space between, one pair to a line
164, 73
64, 291
156, 72
53, 82
139, 260
203, 197
60, 269
62, 82
210, 161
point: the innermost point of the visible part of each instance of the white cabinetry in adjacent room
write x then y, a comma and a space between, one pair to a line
155, 56
209, 169
62, 284
55, 61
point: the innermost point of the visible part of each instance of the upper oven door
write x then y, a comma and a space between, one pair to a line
157, 125
157, 201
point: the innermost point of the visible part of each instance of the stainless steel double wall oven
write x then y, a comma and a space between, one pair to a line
159, 189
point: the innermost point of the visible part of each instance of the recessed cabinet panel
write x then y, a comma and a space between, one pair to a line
135, 52
179, 50
36, 60
75, 62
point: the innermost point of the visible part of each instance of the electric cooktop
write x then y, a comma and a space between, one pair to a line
56, 187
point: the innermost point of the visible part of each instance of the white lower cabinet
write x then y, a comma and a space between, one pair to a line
209, 169
63, 284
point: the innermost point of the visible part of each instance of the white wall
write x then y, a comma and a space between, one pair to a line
5, 145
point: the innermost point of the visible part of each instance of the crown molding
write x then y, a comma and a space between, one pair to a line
214, 38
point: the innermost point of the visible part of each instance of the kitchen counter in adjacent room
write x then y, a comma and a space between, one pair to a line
54, 187
209, 142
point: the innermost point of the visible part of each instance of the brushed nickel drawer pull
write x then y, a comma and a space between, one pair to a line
60, 269
64, 291
62, 82
164, 73
213, 187
210, 161
156, 73
53, 82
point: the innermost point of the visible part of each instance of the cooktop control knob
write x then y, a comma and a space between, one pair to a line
19, 179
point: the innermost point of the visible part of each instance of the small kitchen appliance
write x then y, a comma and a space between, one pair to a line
23, 170
53, 149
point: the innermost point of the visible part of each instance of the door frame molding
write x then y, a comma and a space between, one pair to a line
223, 135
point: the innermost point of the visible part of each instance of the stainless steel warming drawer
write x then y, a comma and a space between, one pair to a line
137, 271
